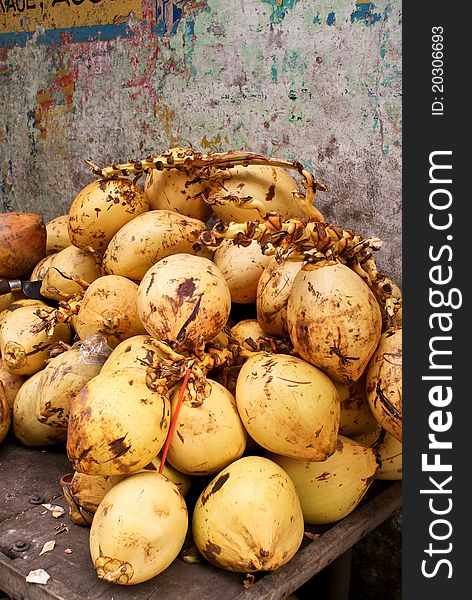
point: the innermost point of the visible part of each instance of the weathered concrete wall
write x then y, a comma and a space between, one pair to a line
316, 80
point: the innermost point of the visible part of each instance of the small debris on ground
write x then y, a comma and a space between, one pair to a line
38, 576
48, 546
55, 509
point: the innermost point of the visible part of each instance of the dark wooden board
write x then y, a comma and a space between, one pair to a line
73, 576
29, 475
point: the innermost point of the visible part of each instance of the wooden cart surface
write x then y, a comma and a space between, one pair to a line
30, 478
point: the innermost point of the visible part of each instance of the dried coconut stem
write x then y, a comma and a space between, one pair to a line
190, 161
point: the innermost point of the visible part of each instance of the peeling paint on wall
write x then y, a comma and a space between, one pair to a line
313, 80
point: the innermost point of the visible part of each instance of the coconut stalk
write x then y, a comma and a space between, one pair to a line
205, 165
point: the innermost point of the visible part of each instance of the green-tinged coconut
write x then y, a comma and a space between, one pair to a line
57, 231
288, 406
101, 208
40, 270
138, 351
138, 530
25, 342
61, 380
241, 267
69, 262
26, 427
109, 308
330, 490
271, 187
177, 190
184, 300
117, 424
356, 416
148, 238
11, 383
209, 434
5, 414
273, 291
334, 320
249, 517
384, 382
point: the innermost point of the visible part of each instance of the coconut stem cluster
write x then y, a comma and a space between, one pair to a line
204, 165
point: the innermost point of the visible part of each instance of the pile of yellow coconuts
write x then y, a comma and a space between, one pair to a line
140, 364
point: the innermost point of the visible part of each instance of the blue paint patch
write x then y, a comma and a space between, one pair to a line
365, 12
168, 17
55, 37
331, 18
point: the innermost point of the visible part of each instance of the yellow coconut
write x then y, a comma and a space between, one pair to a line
356, 416
117, 424
142, 242
183, 482
249, 517
57, 231
147, 511
177, 190
61, 380
101, 208
11, 383
89, 490
25, 342
209, 434
40, 270
271, 187
109, 308
5, 414
330, 490
26, 427
137, 351
241, 267
5, 301
184, 300
247, 332
288, 406
273, 292
390, 456
384, 382
69, 262
334, 320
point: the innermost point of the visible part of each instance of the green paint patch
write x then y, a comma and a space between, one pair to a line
280, 8
273, 70
316, 19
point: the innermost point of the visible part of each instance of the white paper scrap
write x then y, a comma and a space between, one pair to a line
57, 511
38, 576
48, 546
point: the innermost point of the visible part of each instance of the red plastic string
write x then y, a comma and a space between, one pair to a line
174, 420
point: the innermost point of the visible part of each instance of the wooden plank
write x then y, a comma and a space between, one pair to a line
73, 576
37, 526
323, 550
29, 475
